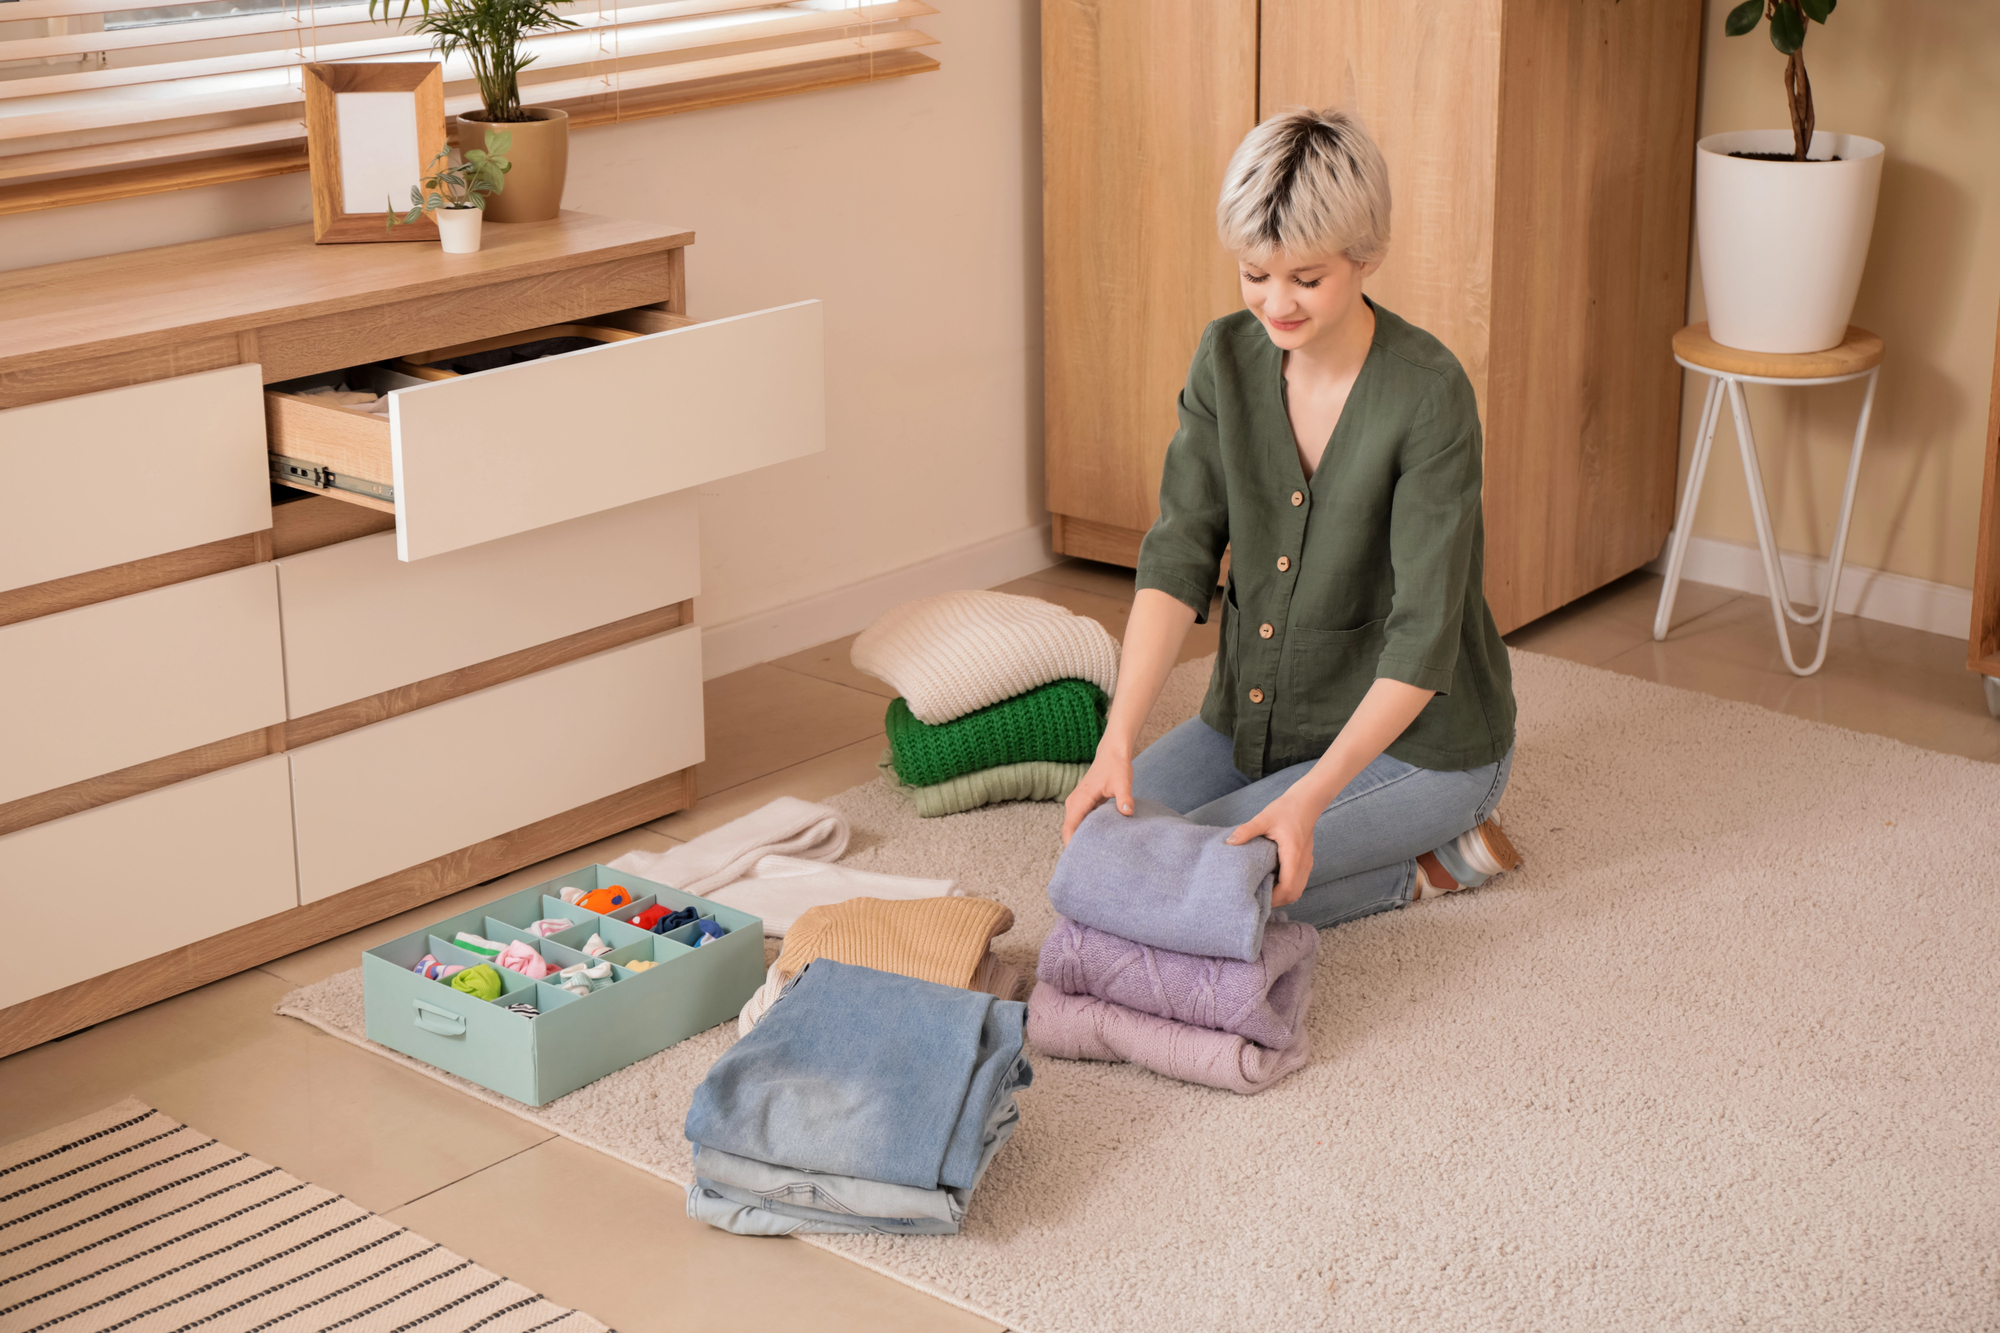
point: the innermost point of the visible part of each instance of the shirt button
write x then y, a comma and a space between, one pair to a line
1298, 498
1256, 696
1264, 630
1284, 563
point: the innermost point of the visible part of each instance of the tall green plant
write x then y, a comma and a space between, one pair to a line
1788, 34
491, 34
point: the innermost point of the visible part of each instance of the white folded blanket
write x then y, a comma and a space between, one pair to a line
957, 652
781, 889
786, 827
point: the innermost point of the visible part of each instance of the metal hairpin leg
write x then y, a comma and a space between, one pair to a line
1731, 386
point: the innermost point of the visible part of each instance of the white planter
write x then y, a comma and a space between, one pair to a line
458, 228
1783, 243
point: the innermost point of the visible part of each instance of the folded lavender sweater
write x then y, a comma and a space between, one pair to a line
1264, 1001
1157, 878
1083, 1027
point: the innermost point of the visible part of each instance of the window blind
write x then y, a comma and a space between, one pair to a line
88, 86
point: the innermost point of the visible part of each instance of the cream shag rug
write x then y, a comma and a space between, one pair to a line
128, 1219
1722, 1054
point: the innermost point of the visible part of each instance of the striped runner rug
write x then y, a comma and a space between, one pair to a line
129, 1220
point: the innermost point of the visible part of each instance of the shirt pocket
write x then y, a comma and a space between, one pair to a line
1327, 671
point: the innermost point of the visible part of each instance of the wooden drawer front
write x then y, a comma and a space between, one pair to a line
358, 621
401, 792
117, 683
110, 477
484, 456
161, 870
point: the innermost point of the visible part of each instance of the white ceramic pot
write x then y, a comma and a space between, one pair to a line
458, 228
1783, 243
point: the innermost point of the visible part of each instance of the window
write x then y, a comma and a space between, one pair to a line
109, 99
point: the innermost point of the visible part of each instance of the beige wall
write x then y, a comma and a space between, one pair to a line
912, 208
1922, 76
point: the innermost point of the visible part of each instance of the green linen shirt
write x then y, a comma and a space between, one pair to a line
1372, 568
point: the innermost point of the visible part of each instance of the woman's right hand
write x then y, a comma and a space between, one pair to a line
1109, 778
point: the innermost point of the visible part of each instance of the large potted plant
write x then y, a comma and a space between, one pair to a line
1783, 217
491, 35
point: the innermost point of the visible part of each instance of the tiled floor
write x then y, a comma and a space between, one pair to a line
591, 1232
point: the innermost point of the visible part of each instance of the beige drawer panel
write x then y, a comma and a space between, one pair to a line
477, 457
113, 684
108, 477
163, 870
358, 621
401, 792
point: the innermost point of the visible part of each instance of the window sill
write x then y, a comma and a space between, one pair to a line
607, 109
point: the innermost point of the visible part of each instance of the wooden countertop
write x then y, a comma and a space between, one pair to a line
158, 301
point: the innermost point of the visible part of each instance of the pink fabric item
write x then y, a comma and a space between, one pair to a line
1083, 1027
518, 957
550, 926
1264, 1001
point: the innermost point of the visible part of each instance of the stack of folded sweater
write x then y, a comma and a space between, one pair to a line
1167, 955
1003, 697
863, 1102
946, 940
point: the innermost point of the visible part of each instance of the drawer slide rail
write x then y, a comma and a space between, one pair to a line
298, 472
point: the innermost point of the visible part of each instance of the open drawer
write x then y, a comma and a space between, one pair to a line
463, 458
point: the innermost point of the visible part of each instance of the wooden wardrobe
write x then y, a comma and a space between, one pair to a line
1541, 156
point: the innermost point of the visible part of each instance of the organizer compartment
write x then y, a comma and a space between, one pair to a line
576, 1039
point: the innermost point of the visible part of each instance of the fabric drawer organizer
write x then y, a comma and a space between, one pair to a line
576, 1039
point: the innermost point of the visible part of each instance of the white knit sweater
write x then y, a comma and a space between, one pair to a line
957, 652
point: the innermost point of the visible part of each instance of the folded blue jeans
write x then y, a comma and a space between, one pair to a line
1365, 844
863, 1073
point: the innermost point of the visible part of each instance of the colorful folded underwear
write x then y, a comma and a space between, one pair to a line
434, 970
522, 958
481, 982
660, 919
601, 901
582, 979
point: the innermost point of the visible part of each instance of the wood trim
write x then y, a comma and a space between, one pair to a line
323, 83
91, 1002
1984, 654
308, 524
483, 675
1089, 540
162, 178
155, 571
154, 773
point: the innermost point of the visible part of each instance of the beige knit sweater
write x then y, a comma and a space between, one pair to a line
933, 939
957, 652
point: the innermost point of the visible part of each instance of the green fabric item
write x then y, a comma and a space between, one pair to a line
1037, 780
482, 982
1058, 723
1384, 551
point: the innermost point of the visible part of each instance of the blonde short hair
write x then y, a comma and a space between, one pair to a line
1308, 183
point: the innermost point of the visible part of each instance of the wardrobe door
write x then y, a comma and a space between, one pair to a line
1143, 101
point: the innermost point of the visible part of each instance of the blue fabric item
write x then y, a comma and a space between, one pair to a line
675, 920
1155, 877
863, 1073
710, 930
1366, 843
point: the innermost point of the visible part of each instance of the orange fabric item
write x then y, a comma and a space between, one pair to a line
932, 939
605, 901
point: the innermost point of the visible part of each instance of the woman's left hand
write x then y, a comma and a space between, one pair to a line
1288, 823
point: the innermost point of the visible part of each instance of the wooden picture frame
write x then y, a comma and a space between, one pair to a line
392, 112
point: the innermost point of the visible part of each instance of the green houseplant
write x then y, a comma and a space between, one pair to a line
1783, 217
491, 35
455, 193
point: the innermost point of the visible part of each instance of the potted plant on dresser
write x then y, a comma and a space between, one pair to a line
456, 195
491, 35
1783, 217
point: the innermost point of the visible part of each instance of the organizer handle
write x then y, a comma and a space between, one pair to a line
441, 1021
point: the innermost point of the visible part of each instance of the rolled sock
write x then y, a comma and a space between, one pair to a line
524, 1009
570, 894
472, 943
481, 981
638, 965
596, 947
674, 920
582, 979
434, 970
554, 925
709, 931
522, 958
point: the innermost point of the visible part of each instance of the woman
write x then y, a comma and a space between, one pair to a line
1361, 714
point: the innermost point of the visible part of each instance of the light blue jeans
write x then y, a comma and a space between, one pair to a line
1366, 844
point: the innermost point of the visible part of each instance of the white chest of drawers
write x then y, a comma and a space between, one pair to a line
284, 721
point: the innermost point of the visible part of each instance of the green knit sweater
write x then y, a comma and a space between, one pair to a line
1059, 722
1036, 781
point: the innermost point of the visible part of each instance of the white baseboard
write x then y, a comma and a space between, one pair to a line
1871, 593
832, 615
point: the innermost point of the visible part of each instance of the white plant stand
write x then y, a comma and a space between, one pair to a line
1859, 356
